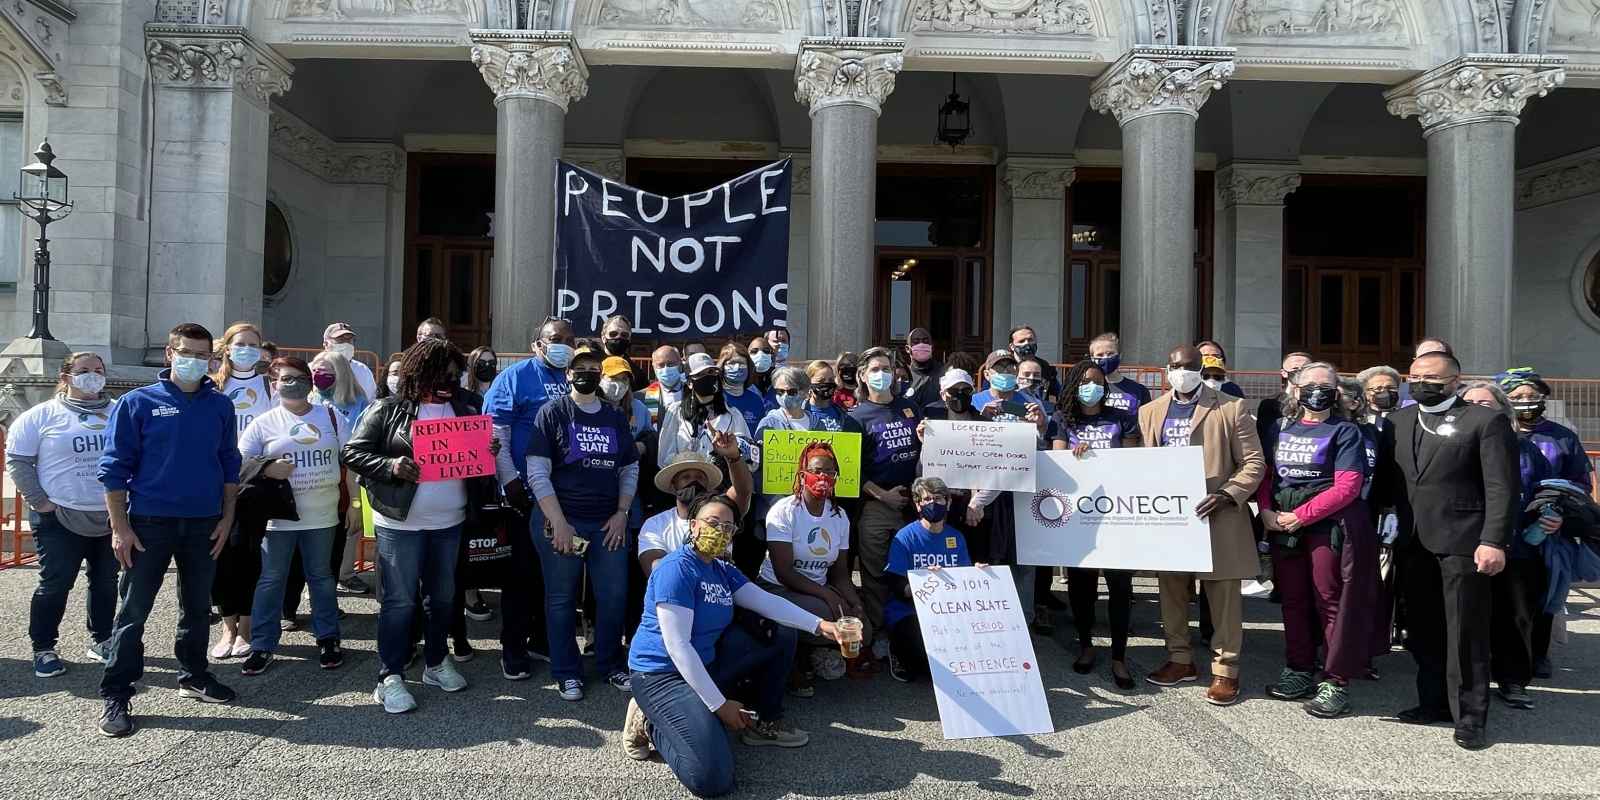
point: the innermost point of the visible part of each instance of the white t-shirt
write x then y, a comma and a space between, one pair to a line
68, 445
313, 444
250, 397
364, 379
665, 531
817, 541
438, 504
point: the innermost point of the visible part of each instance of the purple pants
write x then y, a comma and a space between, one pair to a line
1334, 592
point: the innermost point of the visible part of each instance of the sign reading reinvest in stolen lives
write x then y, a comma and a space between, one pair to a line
452, 448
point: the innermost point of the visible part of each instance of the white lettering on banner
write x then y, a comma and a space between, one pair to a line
766, 193
689, 203
606, 198
981, 455
666, 204
638, 300
727, 211
985, 676
571, 192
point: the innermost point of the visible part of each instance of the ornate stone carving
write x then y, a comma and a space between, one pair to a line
55, 91
190, 12
542, 66
1562, 179
468, 11
1345, 21
1250, 185
1064, 17
1475, 89
834, 72
214, 56
1038, 180
1574, 25
302, 145
1158, 80
759, 15
605, 161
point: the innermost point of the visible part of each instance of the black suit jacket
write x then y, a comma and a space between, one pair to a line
1455, 492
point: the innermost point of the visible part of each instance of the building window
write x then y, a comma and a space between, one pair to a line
12, 156
1589, 290
277, 254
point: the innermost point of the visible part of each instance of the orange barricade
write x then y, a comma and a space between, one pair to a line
307, 353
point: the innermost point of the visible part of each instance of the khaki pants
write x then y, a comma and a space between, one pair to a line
1227, 608
879, 524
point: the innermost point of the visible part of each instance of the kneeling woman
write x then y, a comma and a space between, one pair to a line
1324, 548
689, 648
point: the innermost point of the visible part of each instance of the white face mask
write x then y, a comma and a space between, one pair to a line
88, 382
1184, 380
613, 389
346, 349
393, 382
1214, 383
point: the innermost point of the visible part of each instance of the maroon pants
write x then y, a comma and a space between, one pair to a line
1331, 592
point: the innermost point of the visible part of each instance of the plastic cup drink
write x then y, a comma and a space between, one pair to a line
849, 629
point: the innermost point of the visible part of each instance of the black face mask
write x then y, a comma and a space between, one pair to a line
1025, 349
484, 372
847, 374
688, 494
823, 391
1317, 397
1428, 393
586, 382
706, 385
959, 402
1528, 410
617, 347
1385, 399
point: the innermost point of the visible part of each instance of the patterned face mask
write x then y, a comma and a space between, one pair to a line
711, 539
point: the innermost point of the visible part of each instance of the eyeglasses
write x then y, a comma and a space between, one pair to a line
724, 527
785, 392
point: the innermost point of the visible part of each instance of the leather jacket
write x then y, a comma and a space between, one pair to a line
383, 435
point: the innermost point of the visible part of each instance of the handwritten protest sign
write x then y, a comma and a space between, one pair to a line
985, 676
452, 448
1120, 508
780, 452
980, 455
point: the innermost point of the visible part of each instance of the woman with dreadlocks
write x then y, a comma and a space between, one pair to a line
808, 543
418, 525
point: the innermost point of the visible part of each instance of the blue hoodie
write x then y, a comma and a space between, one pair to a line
516, 396
170, 450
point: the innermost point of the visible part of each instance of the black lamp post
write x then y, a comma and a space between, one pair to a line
43, 199
955, 118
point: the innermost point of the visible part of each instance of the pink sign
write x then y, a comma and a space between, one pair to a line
453, 448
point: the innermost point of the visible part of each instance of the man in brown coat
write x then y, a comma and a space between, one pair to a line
1193, 414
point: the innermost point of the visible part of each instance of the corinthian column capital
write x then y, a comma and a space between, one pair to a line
1482, 87
1161, 80
542, 65
1242, 184
841, 71
215, 57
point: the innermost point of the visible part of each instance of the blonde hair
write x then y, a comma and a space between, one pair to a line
345, 388
220, 350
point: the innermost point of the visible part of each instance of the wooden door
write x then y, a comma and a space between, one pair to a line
1351, 316
452, 283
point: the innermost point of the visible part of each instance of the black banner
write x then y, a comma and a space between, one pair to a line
711, 263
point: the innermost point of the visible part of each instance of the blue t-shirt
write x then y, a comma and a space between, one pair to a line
916, 547
890, 447
829, 419
682, 579
1127, 395
1101, 431
1178, 424
750, 405
515, 397
1562, 448
1309, 453
1013, 409
587, 453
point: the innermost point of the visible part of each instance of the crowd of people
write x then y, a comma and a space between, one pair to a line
1449, 515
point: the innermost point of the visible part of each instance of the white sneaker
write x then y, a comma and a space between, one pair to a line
445, 677
393, 695
1256, 589
99, 652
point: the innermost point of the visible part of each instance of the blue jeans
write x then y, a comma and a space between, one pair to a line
689, 736
277, 554
61, 554
608, 572
405, 559
186, 540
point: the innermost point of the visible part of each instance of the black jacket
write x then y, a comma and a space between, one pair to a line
384, 434
261, 499
1456, 491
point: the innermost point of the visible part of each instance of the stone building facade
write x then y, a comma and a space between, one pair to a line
1334, 175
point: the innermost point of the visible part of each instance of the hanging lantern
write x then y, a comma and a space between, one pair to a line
955, 118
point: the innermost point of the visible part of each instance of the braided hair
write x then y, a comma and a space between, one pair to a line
1071, 407
806, 454
429, 363
715, 498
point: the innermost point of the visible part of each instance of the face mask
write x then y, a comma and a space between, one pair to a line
1428, 393
187, 369
1003, 382
586, 383
705, 385
792, 402
294, 389
613, 389
710, 540
346, 349
817, 484
484, 372
1027, 384
88, 382
1108, 364
823, 392
1184, 380
959, 401
617, 347
1214, 383
1317, 397
1528, 410
783, 350
1385, 399
1025, 349
880, 381
688, 494
671, 377
393, 382
934, 512
921, 352
244, 356
1091, 393
762, 360
847, 374
558, 355
323, 379
734, 374
440, 394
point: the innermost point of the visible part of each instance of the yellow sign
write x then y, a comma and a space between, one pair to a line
780, 450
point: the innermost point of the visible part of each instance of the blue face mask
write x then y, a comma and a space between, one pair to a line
762, 360
1003, 382
558, 355
244, 356
734, 373
934, 512
670, 377
783, 351
1090, 393
187, 369
792, 402
880, 381
1108, 364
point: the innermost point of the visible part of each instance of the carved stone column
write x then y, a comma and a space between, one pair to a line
1247, 298
535, 75
1156, 94
1031, 289
208, 198
844, 82
1469, 109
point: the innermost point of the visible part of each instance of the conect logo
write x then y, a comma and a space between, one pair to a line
1054, 509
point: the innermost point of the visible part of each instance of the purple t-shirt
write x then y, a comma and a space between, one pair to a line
1309, 453
890, 448
1127, 395
587, 454
1101, 431
1178, 424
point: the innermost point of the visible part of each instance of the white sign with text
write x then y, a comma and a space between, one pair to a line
980, 455
985, 676
1122, 508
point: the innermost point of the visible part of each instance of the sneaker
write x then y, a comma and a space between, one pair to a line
46, 664
479, 611
99, 652
635, 733
207, 691
393, 695
332, 656
1294, 685
257, 663
571, 690
1516, 696
354, 585
1332, 700
1256, 589
620, 681
290, 622
445, 677
515, 671
897, 670
463, 651
772, 733
116, 721
827, 663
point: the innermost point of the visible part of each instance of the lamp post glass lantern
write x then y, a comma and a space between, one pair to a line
955, 118
42, 197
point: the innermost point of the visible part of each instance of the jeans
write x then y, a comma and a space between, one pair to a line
689, 736
186, 540
608, 575
277, 552
61, 554
410, 558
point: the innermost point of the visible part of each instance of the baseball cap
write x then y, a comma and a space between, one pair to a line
590, 351
614, 366
953, 377
338, 329
998, 356
1212, 362
699, 363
